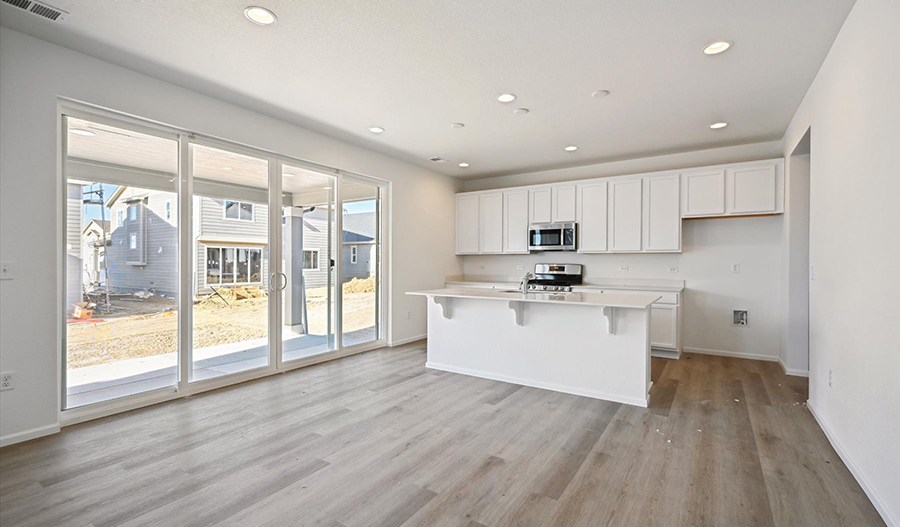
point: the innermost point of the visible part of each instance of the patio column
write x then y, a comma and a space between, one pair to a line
295, 292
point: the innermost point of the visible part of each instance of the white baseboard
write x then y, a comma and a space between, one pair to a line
34, 433
735, 354
395, 343
542, 385
795, 373
886, 515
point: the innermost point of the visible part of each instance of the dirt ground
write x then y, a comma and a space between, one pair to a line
149, 327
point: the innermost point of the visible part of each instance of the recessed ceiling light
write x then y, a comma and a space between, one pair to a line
599, 94
571, 148
457, 125
463, 165
717, 47
82, 131
521, 111
506, 97
376, 129
716, 126
288, 174
259, 15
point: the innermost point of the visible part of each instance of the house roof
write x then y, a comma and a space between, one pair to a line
96, 224
359, 228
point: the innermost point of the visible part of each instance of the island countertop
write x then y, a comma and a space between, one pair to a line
631, 301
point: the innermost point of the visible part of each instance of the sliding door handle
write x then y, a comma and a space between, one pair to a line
283, 281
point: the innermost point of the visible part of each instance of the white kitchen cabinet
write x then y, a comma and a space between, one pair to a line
703, 193
467, 224
750, 190
661, 214
490, 240
563, 203
541, 208
625, 215
515, 221
592, 206
664, 326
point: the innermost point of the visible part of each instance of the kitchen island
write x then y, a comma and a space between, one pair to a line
584, 343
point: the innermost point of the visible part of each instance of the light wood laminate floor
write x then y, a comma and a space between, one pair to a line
378, 440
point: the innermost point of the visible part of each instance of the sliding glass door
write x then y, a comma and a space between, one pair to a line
190, 261
230, 237
307, 254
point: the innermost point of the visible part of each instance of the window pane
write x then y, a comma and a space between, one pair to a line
247, 211
213, 266
228, 273
121, 318
255, 266
231, 210
243, 266
361, 243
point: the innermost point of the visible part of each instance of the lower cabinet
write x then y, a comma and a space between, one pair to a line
664, 326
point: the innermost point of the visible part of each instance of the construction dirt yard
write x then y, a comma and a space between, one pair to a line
146, 327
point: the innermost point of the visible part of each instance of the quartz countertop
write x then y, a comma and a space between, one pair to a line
582, 298
667, 286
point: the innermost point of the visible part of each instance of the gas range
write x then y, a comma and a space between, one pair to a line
555, 278
536, 288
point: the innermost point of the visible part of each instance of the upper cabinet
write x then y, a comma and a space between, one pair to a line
515, 221
541, 210
467, 225
563, 203
592, 207
736, 190
490, 240
661, 216
625, 215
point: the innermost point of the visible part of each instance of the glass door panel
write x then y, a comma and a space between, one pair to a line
308, 240
360, 261
230, 247
121, 232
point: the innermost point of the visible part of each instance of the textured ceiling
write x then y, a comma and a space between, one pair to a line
415, 67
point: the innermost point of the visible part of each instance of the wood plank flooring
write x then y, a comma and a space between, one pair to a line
377, 440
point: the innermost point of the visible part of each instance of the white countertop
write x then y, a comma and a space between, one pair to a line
666, 286
576, 298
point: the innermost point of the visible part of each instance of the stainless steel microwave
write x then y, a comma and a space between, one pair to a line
551, 237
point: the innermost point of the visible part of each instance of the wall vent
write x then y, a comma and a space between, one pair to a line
39, 8
438, 160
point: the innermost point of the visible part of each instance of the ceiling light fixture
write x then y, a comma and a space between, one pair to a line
376, 130
521, 111
82, 131
260, 15
716, 126
717, 47
463, 165
506, 97
571, 148
599, 94
458, 125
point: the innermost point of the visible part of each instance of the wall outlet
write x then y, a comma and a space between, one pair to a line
6, 271
520, 267
623, 268
812, 272
739, 317
7, 381
830, 377
673, 269
408, 315
735, 268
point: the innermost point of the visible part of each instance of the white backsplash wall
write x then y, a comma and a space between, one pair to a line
710, 247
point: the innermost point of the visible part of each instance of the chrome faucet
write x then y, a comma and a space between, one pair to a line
525, 280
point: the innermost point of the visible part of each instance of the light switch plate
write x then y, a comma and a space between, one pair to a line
6, 271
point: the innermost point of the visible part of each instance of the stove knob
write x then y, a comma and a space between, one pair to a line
543, 287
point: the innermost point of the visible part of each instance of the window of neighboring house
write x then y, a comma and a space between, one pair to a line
238, 210
311, 259
132, 241
233, 265
132, 211
353, 256
168, 210
120, 218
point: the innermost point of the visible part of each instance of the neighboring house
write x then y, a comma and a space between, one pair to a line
230, 243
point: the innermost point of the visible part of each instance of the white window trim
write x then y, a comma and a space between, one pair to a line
221, 249
315, 259
225, 207
120, 218
354, 254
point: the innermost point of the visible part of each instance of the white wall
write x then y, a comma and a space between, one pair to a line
853, 111
33, 73
795, 266
710, 247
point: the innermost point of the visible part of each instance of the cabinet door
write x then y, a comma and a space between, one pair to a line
563, 201
625, 215
664, 326
662, 217
592, 206
750, 190
541, 211
491, 220
703, 193
515, 221
467, 225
